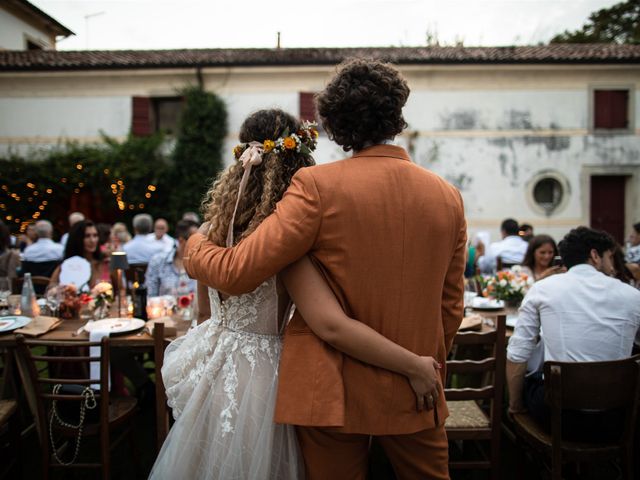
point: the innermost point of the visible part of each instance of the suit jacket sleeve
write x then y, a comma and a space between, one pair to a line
283, 237
453, 290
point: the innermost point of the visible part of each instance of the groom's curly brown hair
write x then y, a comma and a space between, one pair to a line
363, 103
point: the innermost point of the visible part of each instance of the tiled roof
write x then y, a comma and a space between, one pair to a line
137, 59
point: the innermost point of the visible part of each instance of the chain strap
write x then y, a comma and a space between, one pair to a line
89, 402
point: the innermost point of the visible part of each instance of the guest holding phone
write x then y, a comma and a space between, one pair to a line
542, 259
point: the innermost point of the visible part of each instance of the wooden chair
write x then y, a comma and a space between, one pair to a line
592, 386
112, 413
9, 421
162, 410
40, 284
475, 414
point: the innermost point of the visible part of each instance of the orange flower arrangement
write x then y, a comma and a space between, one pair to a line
304, 141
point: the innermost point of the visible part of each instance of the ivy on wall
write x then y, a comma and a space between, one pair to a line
197, 157
112, 181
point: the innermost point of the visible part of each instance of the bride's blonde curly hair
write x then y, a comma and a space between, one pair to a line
267, 183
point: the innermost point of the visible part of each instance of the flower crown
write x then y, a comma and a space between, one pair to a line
303, 141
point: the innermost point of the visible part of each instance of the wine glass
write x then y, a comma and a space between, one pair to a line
470, 292
5, 291
53, 297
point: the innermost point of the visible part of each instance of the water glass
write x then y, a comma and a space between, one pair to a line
5, 291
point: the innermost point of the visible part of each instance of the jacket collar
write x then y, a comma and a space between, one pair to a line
383, 150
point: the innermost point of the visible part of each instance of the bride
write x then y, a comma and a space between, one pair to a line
221, 378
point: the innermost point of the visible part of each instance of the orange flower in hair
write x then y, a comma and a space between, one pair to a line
289, 143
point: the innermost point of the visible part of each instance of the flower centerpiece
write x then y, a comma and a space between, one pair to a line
509, 286
101, 297
70, 302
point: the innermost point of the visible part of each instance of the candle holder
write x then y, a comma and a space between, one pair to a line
118, 265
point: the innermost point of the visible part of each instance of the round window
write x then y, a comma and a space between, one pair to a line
548, 194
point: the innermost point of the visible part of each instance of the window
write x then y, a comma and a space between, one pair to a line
154, 114
548, 192
34, 46
307, 107
166, 113
611, 109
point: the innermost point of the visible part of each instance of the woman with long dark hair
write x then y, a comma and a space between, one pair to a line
83, 241
538, 260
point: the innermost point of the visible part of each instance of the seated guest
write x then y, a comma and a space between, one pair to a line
633, 245
83, 242
139, 249
582, 315
192, 217
509, 251
526, 232
42, 257
160, 234
119, 236
28, 237
9, 258
74, 218
166, 268
539, 257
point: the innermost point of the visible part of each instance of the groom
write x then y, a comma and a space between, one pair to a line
389, 237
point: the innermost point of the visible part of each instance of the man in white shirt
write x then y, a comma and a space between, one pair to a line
139, 249
160, 235
74, 218
582, 315
44, 249
510, 250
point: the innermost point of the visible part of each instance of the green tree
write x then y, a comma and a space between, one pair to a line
617, 24
197, 157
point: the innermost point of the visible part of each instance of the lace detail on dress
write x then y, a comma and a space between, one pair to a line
221, 382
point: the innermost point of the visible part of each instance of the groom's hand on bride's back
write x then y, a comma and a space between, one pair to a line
425, 382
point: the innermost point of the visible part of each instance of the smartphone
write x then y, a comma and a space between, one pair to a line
557, 261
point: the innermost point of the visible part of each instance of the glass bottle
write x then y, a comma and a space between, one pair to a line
28, 305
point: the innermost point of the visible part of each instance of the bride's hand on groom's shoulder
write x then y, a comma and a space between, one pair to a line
425, 381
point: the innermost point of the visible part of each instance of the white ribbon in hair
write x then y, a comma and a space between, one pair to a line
250, 157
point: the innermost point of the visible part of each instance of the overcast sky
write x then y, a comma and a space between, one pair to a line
159, 24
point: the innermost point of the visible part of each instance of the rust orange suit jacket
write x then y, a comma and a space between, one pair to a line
389, 238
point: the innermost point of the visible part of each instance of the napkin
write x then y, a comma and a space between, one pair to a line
39, 325
472, 322
96, 335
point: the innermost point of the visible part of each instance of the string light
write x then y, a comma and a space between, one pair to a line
79, 166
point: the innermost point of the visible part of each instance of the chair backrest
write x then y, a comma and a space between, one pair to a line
41, 381
593, 386
491, 368
40, 269
40, 284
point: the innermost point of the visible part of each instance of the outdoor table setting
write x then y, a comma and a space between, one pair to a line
124, 331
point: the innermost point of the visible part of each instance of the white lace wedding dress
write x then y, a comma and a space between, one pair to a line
221, 381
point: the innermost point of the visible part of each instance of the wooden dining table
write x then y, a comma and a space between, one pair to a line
67, 331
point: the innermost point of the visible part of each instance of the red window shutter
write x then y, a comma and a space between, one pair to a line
611, 109
307, 107
141, 117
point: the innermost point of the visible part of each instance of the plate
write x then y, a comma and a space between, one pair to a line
8, 324
115, 325
481, 303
